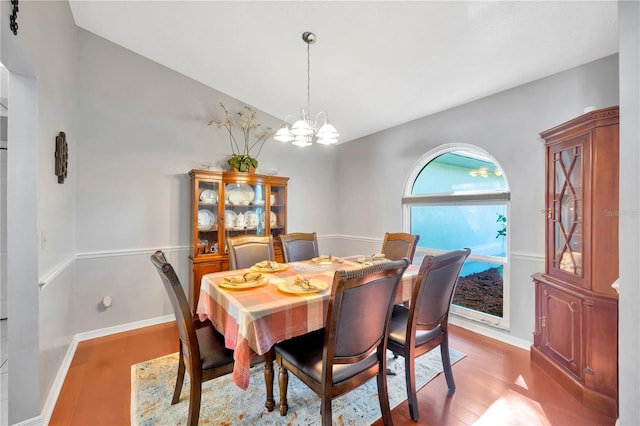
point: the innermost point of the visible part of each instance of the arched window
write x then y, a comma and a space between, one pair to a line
457, 196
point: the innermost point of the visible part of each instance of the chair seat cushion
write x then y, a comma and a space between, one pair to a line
398, 329
212, 350
305, 353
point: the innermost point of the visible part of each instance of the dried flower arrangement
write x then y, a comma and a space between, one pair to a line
244, 154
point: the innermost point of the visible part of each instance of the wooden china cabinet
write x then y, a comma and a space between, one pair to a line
576, 328
228, 204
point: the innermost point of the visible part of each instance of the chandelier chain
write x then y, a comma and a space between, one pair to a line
308, 79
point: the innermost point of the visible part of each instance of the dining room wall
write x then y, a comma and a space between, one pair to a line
142, 127
507, 126
41, 62
629, 215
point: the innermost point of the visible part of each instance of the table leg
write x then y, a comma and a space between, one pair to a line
270, 404
283, 380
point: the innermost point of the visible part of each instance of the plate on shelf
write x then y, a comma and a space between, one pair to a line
239, 193
251, 218
295, 287
209, 196
326, 260
242, 282
269, 266
206, 220
273, 219
229, 219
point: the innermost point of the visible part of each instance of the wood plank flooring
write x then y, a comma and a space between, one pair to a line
496, 384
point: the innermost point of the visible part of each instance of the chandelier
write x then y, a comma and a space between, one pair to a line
304, 130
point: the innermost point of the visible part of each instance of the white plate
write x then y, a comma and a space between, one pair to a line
293, 288
275, 267
239, 198
273, 219
239, 193
229, 219
372, 260
326, 260
243, 286
251, 218
206, 220
258, 203
209, 196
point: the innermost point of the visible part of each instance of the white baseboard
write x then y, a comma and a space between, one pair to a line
54, 392
34, 421
491, 332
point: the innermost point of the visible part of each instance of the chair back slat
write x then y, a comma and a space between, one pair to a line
399, 245
299, 246
438, 277
247, 250
359, 310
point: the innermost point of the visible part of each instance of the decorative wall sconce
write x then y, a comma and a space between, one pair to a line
14, 17
61, 155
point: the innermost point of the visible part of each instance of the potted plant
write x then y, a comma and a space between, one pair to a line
244, 157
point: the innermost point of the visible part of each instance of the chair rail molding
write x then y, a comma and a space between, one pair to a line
53, 273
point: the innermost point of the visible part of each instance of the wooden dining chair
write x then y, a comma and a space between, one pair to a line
202, 352
421, 327
247, 250
299, 246
351, 349
399, 245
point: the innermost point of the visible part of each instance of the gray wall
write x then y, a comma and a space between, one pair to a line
41, 62
629, 318
136, 128
142, 127
507, 126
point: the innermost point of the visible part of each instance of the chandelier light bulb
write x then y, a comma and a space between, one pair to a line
283, 135
301, 128
302, 141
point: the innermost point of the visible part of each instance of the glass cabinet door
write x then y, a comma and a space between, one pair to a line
566, 210
207, 217
277, 210
244, 210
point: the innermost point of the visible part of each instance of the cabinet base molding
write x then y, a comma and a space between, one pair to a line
587, 397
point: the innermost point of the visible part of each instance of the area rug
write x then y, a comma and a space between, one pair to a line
223, 403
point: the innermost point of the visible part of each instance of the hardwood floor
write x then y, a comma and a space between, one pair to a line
496, 384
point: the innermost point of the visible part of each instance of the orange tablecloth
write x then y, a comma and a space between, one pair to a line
253, 320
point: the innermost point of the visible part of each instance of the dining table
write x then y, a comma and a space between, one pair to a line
254, 318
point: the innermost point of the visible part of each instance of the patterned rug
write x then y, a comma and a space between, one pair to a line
223, 403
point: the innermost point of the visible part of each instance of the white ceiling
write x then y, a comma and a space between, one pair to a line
375, 64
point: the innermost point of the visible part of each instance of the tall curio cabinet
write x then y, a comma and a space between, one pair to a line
228, 204
576, 329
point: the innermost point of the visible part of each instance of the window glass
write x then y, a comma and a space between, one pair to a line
463, 172
460, 199
456, 227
